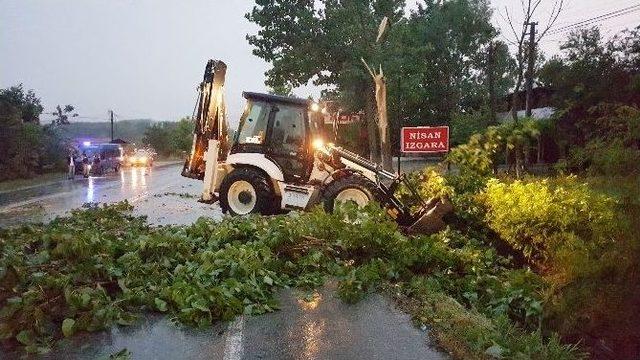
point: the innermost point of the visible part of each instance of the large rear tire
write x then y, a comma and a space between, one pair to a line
355, 187
247, 191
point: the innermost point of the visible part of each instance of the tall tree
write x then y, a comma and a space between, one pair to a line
433, 58
442, 54
588, 76
158, 136
25, 146
324, 44
27, 104
182, 135
62, 115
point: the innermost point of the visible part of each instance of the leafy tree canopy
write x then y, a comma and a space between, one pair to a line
170, 138
26, 105
434, 59
590, 70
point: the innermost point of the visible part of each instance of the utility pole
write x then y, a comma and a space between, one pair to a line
491, 59
111, 116
530, 67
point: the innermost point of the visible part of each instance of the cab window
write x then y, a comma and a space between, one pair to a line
288, 130
253, 127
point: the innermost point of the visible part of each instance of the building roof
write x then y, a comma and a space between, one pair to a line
541, 97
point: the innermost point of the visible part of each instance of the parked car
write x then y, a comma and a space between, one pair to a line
102, 157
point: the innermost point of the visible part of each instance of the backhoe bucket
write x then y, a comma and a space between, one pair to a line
431, 221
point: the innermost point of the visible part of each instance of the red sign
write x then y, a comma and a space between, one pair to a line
342, 119
425, 139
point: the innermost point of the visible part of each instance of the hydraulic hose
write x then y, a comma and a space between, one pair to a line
367, 164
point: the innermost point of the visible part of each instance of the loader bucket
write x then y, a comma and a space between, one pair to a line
431, 219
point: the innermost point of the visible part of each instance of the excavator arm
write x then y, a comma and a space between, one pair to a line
210, 122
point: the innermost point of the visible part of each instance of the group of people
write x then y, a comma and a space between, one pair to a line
85, 162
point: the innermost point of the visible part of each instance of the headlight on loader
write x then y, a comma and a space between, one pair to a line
318, 144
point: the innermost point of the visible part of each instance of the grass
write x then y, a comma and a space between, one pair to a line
16, 184
467, 334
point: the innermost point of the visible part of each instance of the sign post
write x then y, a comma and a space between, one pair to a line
424, 140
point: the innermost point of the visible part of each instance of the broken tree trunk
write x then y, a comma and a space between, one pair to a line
383, 121
372, 132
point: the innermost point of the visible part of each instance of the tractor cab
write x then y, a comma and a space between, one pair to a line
279, 128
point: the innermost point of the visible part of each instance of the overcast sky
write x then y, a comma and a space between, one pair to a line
144, 58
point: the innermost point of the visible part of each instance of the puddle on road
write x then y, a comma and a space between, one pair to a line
153, 337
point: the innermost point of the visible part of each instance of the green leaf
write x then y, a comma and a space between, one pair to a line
200, 305
85, 299
122, 285
268, 280
67, 327
161, 304
126, 319
31, 349
495, 351
44, 349
25, 337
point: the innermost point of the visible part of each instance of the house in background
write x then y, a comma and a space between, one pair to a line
542, 106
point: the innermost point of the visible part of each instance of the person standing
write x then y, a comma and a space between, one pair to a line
72, 166
85, 165
97, 168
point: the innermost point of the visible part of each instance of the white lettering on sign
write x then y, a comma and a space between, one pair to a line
424, 136
434, 145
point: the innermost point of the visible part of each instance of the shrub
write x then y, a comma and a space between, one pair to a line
478, 158
428, 182
477, 155
612, 136
538, 217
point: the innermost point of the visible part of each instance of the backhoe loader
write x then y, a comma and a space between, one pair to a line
277, 160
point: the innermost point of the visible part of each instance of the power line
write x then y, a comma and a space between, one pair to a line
609, 14
596, 19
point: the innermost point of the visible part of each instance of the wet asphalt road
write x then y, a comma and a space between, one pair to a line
160, 193
323, 328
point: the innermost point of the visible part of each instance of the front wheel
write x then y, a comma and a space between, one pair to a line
353, 188
247, 191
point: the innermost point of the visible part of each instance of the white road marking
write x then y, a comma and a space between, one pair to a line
233, 349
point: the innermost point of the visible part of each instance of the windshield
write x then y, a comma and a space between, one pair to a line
253, 125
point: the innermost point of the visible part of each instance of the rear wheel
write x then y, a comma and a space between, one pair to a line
246, 191
355, 188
